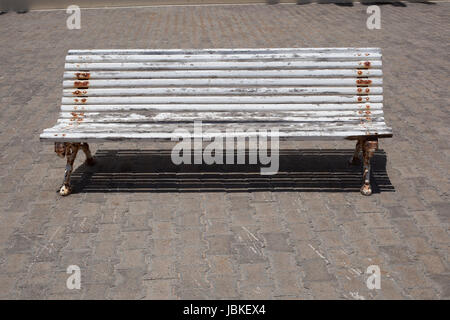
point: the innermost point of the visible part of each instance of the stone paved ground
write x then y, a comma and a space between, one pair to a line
247, 239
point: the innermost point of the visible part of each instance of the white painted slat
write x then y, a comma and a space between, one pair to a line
218, 117
220, 128
167, 131
147, 115
161, 136
223, 99
223, 57
297, 120
181, 74
219, 82
219, 50
131, 92
221, 107
224, 65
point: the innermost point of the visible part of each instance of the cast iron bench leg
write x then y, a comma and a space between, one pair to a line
70, 150
368, 147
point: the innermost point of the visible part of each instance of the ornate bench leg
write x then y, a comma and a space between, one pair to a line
368, 148
355, 159
89, 159
69, 150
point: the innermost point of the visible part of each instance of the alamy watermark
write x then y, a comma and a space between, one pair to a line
374, 280
230, 140
374, 20
74, 20
74, 280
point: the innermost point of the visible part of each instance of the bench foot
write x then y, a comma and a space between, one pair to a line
369, 147
70, 150
65, 190
366, 190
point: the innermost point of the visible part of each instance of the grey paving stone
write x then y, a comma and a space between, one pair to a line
252, 244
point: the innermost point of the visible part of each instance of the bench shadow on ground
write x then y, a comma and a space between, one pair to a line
305, 170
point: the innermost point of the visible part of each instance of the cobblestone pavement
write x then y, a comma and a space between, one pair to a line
140, 229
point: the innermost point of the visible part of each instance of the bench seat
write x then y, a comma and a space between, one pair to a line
158, 131
305, 93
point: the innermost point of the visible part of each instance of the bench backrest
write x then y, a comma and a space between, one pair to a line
301, 90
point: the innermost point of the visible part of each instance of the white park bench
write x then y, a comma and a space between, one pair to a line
319, 93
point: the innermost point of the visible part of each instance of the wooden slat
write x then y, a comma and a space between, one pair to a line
219, 51
182, 74
222, 107
164, 136
220, 128
167, 133
119, 136
84, 132
219, 65
294, 116
298, 82
297, 120
222, 99
222, 57
269, 115
131, 92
